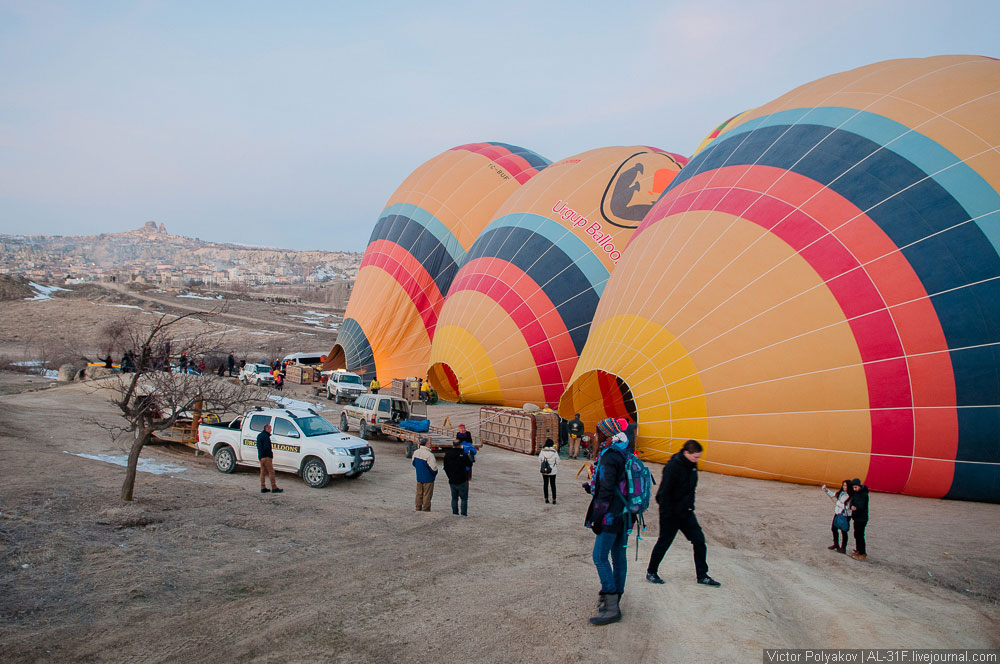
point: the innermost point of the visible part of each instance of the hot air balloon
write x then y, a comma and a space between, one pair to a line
518, 313
817, 294
414, 253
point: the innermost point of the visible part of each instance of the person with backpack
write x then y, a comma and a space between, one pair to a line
456, 467
465, 438
548, 461
676, 500
611, 522
841, 515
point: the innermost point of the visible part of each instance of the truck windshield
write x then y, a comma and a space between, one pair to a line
262, 369
356, 380
315, 426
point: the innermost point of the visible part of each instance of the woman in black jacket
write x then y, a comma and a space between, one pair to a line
676, 499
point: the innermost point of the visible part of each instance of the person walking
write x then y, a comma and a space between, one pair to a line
374, 386
231, 363
266, 458
676, 500
859, 514
841, 515
575, 430
606, 517
427, 470
456, 467
548, 461
425, 391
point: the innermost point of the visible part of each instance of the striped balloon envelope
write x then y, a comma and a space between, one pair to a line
414, 252
519, 310
817, 294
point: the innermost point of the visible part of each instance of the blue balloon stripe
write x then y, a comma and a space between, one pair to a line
424, 246
964, 184
358, 355
578, 251
558, 275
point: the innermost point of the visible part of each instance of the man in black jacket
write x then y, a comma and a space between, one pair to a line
574, 428
676, 499
859, 514
266, 458
456, 467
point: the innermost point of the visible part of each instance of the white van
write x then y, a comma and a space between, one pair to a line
308, 359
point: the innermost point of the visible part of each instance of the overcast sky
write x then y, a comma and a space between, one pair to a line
290, 124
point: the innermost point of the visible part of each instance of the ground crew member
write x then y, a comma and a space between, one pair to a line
427, 470
375, 386
575, 429
266, 458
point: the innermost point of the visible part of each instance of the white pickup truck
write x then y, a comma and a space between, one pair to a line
258, 374
371, 411
302, 442
344, 385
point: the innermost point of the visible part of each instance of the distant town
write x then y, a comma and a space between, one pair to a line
150, 255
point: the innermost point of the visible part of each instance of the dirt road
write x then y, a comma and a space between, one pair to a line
204, 568
207, 306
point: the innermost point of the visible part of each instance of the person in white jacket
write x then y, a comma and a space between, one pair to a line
548, 461
841, 515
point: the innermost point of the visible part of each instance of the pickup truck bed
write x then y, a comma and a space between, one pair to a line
439, 439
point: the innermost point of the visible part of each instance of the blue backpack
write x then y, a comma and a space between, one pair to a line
635, 490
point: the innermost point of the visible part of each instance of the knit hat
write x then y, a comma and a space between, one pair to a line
609, 427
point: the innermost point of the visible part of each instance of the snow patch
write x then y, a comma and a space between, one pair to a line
294, 403
200, 297
144, 465
43, 292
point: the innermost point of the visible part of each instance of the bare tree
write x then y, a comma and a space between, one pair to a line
152, 397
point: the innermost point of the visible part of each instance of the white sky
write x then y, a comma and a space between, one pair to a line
290, 124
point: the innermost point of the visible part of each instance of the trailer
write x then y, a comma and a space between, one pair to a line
438, 438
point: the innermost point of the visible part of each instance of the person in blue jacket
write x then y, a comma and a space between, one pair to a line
427, 470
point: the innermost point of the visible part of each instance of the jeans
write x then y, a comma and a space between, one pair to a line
546, 481
612, 574
460, 491
687, 523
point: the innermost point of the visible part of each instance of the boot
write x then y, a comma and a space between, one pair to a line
609, 612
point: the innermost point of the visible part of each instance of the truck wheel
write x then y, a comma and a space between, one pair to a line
343, 422
328, 397
315, 475
410, 449
225, 460
363, 430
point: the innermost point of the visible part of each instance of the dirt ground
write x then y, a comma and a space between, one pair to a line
203, 567
71, 324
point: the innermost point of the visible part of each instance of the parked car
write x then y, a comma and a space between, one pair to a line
258, 374
302, 442
371, 411
344, 385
